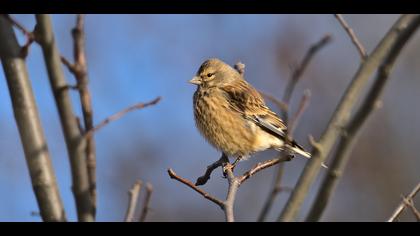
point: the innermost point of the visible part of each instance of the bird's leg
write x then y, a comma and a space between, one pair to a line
226, 164
230, 166
236, 162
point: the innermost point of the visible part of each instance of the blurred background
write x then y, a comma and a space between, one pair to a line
135, 58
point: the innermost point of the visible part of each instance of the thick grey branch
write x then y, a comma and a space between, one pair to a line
76, 145
402, 29
29, 126
352, 129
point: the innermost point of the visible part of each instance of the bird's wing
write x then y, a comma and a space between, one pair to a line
246, 100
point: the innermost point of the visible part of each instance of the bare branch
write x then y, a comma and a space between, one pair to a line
276, 189
233, 181
351, 131
30, 36
206, 195
133, 196
120, 114
395, 38
304, 102
263, 165
409, 203
29, 125
146, 203
282, 106
76, 145
298, 72
402, 205
231, 195
71, 67
79, 70
352, 36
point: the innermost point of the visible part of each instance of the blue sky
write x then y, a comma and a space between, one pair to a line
135, 58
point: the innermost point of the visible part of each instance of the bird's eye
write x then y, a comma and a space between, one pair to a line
210, 75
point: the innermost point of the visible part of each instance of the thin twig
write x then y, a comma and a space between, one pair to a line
240, 67
206, 195
304, 102
276, 189
146, 203
282, 106
30, 36
68, 64
402, 205
263, 165
298, 72
18, 25
352, 36
79, 70
410, 203
133, 196
120, 114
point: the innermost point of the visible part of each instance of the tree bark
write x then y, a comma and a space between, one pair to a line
341, 116
29, 126
75, 141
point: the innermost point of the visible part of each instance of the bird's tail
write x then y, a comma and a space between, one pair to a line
296, 148
299, 150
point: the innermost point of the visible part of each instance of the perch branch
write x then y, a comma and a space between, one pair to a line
231, 195
133, 196
396, 37
29, 126
206, 195
233, 181
263, 165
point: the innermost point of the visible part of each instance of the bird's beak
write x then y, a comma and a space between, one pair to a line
195, 80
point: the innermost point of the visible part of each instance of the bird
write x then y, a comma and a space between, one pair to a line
232, 115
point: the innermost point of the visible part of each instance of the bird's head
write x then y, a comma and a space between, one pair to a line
214, 72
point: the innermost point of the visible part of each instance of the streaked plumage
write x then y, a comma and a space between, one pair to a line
232, 115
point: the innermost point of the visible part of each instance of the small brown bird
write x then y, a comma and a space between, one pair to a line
232, 115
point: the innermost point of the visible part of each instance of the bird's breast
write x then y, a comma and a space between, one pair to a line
223, 127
